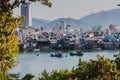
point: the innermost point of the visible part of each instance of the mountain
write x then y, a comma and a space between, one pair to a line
102, 18
39, 22
50, 24
70, 21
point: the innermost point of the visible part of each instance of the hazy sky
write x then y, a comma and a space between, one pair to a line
70, 8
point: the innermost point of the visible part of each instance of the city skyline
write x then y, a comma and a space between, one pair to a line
74, 9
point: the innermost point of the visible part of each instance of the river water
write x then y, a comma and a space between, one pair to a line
31, 62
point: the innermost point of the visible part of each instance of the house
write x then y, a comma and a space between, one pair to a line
111, 46
43, 44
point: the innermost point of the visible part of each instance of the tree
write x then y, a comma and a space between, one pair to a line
8, 40
80, 71
55, 75
101, 69
28, 77
117, 60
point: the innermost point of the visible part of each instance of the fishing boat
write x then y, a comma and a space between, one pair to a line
76, 53
58, 54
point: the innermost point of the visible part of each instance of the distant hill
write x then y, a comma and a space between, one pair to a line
70, 21
39, 22
50, 24
103, 18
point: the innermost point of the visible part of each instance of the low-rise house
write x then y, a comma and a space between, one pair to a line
43, 44
109, 45
91, 42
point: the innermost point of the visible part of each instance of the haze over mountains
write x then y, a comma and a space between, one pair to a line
103, 18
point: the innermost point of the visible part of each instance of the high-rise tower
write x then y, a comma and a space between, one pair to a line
63, 25
26, 11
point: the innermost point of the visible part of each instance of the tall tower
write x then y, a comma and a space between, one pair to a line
63, 25
26, 11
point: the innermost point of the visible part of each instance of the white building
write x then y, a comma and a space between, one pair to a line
26, 11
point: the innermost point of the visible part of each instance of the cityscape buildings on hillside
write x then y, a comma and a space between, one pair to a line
65, 37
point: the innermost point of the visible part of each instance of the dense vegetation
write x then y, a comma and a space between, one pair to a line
8, 39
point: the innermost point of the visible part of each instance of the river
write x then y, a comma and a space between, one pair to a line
30, 62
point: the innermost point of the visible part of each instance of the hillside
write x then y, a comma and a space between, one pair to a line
39, 22
103, 18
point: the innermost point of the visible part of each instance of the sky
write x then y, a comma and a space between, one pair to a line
70, 8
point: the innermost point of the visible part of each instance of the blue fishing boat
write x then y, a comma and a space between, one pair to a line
59, 54
76, 53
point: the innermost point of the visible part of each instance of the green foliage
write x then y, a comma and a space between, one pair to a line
102, 68
55, 75
44, 2
8, 40
117, 60
45, 75
3, 77
80, 71
14, 76
28, 77
9, 5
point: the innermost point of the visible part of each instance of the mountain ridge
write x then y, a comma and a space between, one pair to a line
102, 18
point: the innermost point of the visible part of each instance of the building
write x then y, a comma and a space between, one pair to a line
26, 12
56, 28
63, 25
112, 27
